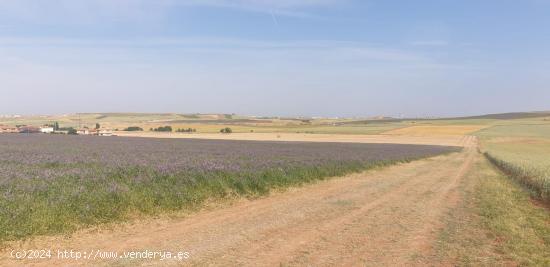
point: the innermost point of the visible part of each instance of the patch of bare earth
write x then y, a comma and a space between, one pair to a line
388, 216
422, 139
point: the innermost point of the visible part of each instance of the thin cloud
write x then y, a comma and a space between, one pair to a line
275, 21
337, 50
265, 4
430, 43
97, 10
287, 8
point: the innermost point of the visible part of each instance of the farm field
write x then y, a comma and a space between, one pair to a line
58, 184
316, 224
452, 209
87, 193
209, 123
447, 140
523, 151
435, 130
212, 123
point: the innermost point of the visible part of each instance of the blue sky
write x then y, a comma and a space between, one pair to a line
267, 57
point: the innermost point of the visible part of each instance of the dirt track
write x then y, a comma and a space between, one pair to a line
388, 216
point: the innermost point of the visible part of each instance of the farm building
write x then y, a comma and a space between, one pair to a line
46, 129
104, 132
83, 131
99, 132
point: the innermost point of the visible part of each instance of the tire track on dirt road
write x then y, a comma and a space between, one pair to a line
302, 243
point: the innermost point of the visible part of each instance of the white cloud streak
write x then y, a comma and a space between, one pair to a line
430, 43
92, 11
333, 50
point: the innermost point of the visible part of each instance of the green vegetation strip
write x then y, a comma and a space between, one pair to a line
521, 229
498, 225
522, 151
536, 181
68, 203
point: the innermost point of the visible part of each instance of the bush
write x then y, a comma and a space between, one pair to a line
163, 129
188, 130
71, 131
133, 129
226, 130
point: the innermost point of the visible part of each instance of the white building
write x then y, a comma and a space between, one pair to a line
105, 132
46, 130
83, 131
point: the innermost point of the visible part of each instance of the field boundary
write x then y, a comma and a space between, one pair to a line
436, 140
537, 190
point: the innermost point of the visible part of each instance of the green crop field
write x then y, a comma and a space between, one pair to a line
523, 151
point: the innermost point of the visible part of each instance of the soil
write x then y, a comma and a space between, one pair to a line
427, 139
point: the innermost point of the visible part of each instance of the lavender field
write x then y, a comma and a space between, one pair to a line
55, 184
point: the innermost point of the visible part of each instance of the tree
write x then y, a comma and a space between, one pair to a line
133, 129
56, 126
226, 130
72, 131
97, 126
163, 129
188, 130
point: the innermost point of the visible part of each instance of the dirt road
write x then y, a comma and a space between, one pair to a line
388, 216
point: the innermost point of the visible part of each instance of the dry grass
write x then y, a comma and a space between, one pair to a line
497, 226
207, 123
295, 137
432, 130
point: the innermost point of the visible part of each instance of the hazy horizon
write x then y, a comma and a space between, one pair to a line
323, 58
267, 115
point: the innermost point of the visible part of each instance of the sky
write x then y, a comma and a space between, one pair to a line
334, 58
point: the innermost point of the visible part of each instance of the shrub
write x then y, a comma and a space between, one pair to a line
226, 130
163, 129
133, 129
188, 130
71, 131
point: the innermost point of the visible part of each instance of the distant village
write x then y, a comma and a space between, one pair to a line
55, 129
